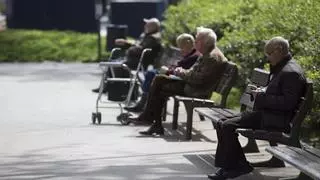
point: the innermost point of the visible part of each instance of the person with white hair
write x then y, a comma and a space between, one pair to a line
198, 81
185, 43
274, 109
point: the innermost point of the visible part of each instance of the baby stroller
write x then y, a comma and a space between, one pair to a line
129, 85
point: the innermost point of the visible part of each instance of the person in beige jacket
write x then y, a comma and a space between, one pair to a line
198, 81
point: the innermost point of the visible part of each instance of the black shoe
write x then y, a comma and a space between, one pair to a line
218, 175
154, 129
241, 170
97, 90
223, 174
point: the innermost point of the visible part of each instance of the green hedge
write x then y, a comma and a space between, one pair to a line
35, 45
243, 27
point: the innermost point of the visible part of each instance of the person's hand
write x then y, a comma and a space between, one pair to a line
256, 91
120, 42
178, 71
163, 70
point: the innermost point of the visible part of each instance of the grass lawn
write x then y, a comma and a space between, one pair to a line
37, 46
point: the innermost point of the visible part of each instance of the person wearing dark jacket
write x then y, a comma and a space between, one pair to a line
150, 38
198, 81
190, 55
274, 108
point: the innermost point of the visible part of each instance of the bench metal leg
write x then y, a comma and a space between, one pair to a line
189, 109
175, 114
301, 176
164, 111
273, 162
251, 146
201, 117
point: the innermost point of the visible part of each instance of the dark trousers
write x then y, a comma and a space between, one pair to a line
161, 88
229, 153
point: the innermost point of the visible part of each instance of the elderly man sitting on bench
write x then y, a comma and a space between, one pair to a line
274, 108
198, 81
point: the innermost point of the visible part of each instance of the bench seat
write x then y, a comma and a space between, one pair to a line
306, 160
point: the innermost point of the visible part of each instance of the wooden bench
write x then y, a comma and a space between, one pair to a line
291, 138
224, 86
306, 159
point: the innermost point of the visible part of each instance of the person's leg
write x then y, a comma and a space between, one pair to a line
167, 88
139, 106
229, 154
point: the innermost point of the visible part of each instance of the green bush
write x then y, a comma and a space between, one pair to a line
35, 45
297, 21
215, 14
244, 26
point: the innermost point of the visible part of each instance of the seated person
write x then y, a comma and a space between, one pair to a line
186, 44
198, 81
274, 108
150, 38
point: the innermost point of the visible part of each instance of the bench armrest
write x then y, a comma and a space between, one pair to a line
195, 100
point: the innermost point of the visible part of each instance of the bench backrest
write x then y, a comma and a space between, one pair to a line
226, 82
303, 108
259, 78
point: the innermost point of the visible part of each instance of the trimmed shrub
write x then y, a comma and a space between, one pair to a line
35, 45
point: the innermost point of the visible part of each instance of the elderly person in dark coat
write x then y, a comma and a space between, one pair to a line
150, 38
198, 81
274, 108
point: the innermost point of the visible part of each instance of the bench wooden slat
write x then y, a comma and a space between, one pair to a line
311, 149
302, 160
225, 112
208, 113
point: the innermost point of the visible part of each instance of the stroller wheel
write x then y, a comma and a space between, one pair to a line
99, 117
93, 118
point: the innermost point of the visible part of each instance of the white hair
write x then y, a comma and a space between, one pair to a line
280, 43
185, 40
208, 36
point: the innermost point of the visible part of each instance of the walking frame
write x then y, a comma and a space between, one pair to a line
133, 80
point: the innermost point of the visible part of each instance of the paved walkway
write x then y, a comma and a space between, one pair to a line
45, 133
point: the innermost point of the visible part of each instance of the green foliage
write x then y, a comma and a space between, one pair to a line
297, 21
2, 7
34, 45
243, 27
233, 98
215, 14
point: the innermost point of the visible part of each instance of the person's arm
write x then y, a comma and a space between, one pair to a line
203, 72
291, 85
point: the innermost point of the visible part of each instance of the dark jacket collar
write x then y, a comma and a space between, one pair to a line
275, 69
